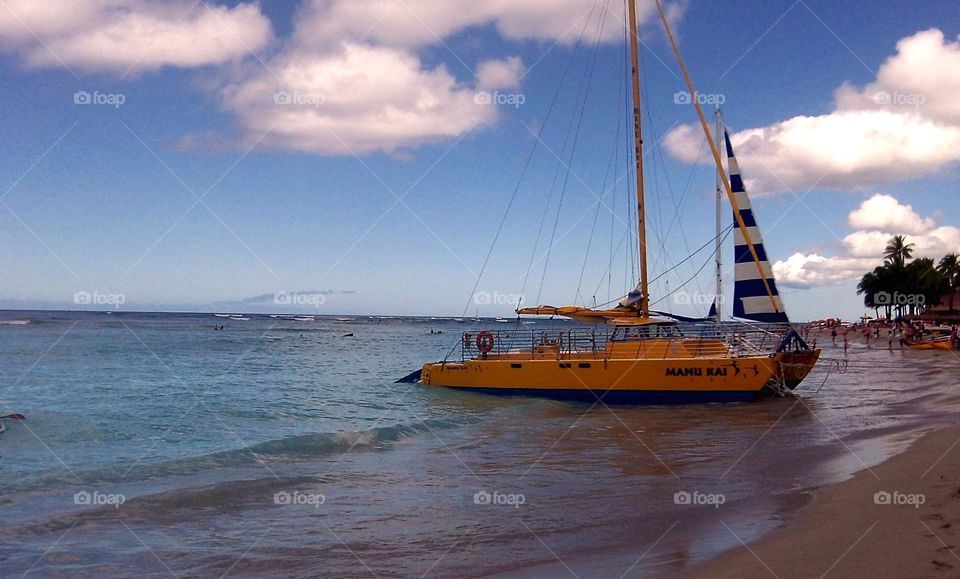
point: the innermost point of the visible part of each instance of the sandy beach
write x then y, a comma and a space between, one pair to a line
898, 519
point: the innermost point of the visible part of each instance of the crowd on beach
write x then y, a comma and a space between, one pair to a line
896, 333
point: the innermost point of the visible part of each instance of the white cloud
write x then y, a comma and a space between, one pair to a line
358, 100
351, 68
361, 56
499, 74
924, 76
808, 270
130, 35
415, 24
903, 126
879, 218
885, 213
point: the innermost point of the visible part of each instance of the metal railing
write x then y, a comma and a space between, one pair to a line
697, 340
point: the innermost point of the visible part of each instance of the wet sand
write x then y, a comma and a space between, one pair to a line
850, 530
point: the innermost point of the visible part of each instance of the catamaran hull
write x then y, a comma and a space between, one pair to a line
936, 345
612, 381
795, 366
638, 397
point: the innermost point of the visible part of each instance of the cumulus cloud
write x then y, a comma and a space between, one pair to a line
359, 99
878, 218
808, 270
349, 78
885, 213
425, 22
357, 85
499, 74
130, 35
903, 126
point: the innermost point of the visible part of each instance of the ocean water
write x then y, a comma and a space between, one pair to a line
155, 445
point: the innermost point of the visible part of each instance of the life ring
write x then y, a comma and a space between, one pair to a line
485, 342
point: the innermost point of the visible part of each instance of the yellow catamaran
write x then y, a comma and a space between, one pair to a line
645, 359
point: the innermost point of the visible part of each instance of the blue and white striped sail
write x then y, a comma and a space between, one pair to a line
750, 298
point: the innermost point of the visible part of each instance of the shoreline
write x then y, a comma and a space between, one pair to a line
846, 529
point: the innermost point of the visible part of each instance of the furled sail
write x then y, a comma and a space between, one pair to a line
750, 298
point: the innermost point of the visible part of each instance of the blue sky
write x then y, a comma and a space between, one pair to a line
103, 198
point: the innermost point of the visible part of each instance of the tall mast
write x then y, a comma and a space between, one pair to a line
718, 296
638, 152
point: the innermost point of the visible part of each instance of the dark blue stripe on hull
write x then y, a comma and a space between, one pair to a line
623, 396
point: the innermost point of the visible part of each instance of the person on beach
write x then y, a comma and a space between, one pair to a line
833, 336
890, 338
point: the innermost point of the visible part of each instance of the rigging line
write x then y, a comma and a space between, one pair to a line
725, 233
678, 207
656, 200
707, 261
630, 281
556, 97
688, 280
576, 138
623, 238
611, 163
693, 170
526, 166
664, 257
593, 228
622, 108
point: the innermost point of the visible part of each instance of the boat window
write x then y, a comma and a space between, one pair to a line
584, 365
516, 365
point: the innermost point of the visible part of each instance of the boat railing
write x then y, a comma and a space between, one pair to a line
706, 340
559, 342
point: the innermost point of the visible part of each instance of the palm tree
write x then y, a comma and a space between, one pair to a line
898, 251
878, 288
949, 268
924, 284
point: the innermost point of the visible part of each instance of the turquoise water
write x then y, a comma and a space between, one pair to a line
156, 445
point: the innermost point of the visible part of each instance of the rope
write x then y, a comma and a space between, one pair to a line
523, 173
556, 96
576, 139
712, 253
